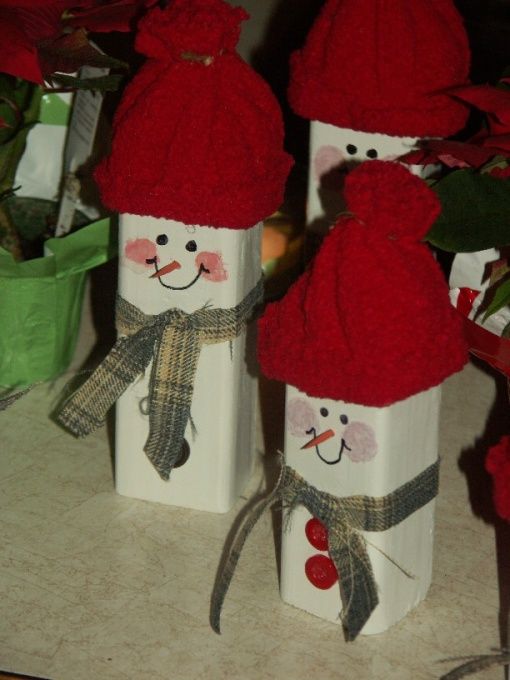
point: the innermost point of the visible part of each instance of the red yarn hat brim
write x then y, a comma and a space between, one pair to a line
433, 116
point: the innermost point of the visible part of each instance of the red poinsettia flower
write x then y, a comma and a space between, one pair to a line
452, 154
494, 101
497, 464
493, 141
34, 32
103, 17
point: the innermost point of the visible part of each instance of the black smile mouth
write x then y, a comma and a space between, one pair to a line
201, 270
343, 447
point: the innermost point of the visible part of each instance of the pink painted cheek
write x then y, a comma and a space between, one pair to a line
301, 417
213, 262
360, 438
136, 252
326, 159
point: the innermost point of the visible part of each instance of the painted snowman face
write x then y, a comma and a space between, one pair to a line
333, 152
338, 149
175, 259
329, 433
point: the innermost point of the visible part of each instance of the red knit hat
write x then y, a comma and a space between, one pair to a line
383, 66
198, 136
370, 321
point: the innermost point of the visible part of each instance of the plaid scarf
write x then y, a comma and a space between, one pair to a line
344, 519
172, 341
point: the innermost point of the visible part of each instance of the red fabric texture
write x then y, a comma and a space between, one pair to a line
198, 135
497, 464
379, 66
370, 321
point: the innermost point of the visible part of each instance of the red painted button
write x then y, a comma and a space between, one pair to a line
321, 571
317, 534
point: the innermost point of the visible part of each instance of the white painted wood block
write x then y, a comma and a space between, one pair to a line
333, 149
373, 451
224, 400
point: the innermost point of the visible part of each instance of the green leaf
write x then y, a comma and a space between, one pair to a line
501, 299
108, 83
29, 99
11, 119
505, 333
15, 101
475, 212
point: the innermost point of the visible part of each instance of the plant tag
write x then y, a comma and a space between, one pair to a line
80, 141
39, 172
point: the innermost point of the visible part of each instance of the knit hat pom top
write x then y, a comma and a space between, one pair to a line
374, 201
198, 135
202, 27
370, 321
383, 66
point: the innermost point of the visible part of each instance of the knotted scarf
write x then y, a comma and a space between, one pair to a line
344, 519
172, 341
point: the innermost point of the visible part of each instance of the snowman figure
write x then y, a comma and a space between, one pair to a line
363, 340
374, 79
345, 449
192, 176
165, 264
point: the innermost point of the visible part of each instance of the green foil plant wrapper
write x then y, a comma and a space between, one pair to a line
41, 303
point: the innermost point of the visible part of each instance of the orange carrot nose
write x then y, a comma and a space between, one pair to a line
166, 269
322, 437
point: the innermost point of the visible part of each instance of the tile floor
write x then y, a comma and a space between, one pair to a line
94, 585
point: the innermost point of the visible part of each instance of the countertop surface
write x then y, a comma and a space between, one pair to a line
95, 585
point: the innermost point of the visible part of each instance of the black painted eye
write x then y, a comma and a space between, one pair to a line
162, 240
324, 412
344, 419
372, 153
351, 149
191, 246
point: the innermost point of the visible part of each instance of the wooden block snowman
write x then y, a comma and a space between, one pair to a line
192, 175
165, 264
373, 77
362, 340
346, 449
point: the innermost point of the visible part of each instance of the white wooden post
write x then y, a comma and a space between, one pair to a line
369, 451
223, 409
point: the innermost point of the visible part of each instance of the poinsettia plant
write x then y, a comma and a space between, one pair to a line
40, 40
474, 188
43, 44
